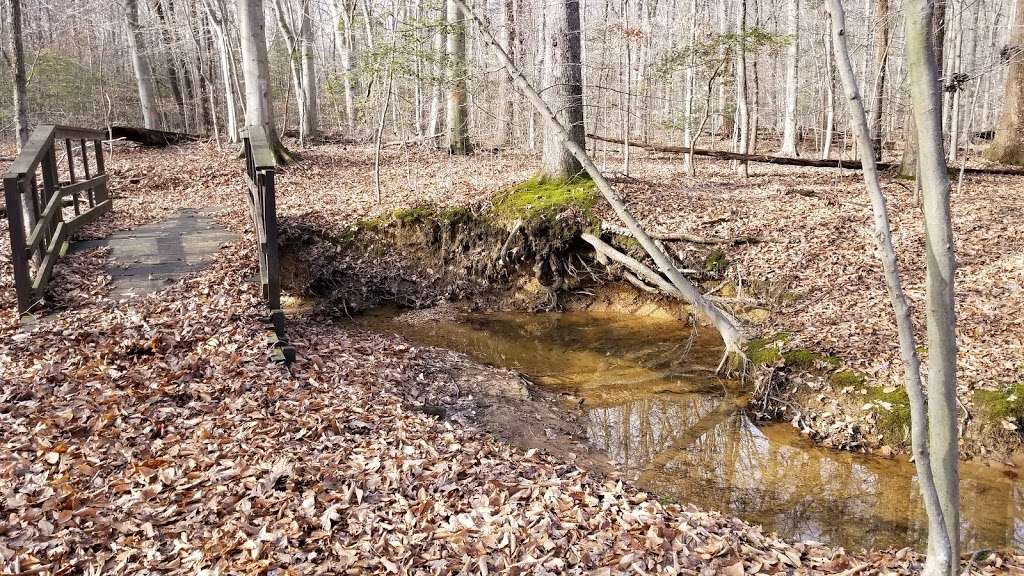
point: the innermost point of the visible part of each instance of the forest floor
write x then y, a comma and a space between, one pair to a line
152, 434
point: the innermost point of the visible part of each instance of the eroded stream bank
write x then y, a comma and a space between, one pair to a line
646, 394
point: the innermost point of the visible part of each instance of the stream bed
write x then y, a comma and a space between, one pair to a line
654, 404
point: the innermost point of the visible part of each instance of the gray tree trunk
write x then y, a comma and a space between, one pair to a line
216, 13
436, 90
20, 80
506, 114
943, 437
1008, 146
143, 71
309, 84
343, 11
789, 128
881, 62
897, 297
458, 109
563, 86
259, 110
742, 113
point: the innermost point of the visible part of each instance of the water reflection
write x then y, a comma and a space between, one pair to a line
655, 405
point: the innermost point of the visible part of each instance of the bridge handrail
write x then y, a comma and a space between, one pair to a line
38, 228
260, 169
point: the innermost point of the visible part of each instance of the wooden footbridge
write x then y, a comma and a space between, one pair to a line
58, 184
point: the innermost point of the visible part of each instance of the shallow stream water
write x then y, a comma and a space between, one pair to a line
654, 405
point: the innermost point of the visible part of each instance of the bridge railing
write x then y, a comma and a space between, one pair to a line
50, 196
259, 176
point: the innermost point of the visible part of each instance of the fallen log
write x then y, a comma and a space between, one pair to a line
150, 137
680, 236
787, 161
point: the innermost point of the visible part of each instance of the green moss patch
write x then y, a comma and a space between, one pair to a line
893, 413
845, 378
1000, 405
414, 214
806, 359
716, 262
544, 198
767, 350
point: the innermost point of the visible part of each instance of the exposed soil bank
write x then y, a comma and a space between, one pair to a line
522, 251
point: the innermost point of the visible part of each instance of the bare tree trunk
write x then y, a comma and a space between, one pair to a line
458, 118
309, 86
881, 63
789, 130
727, 326
216, 14
143, 72
1008, 146
436, 89
295, 64
259, 110
563, 85
908, 166
507, 92
689, 91
830, 100
20, 80
904, 323
742, 114
344, 33
176, 78
942, 406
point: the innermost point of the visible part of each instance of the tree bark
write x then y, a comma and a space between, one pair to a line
897, 297
727, 326
143, 72
259, 111
507, 92
1008, 145
942, 407
20, 79
563, 86
789, 129
742, 113
216, 13
881, 63
458, 108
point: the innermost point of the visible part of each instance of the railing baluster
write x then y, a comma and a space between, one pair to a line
15, 213
71, 159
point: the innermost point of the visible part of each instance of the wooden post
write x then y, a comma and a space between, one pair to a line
19, 257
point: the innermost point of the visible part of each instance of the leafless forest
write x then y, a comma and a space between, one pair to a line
511, 286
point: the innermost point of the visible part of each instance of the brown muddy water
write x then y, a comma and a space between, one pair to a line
655, 406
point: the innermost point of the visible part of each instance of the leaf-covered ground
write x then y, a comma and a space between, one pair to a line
151, 436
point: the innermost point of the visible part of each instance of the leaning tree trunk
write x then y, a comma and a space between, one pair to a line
259, 111
20, 80
1008, 146
458, 107
143, 72
727, 326
942, 407
789, 147
295, 64
564, 89
897, 296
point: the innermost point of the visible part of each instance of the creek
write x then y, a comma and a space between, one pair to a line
654, 405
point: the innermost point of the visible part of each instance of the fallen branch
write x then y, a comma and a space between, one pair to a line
415, 140
784, 160
680, 236
149, 137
